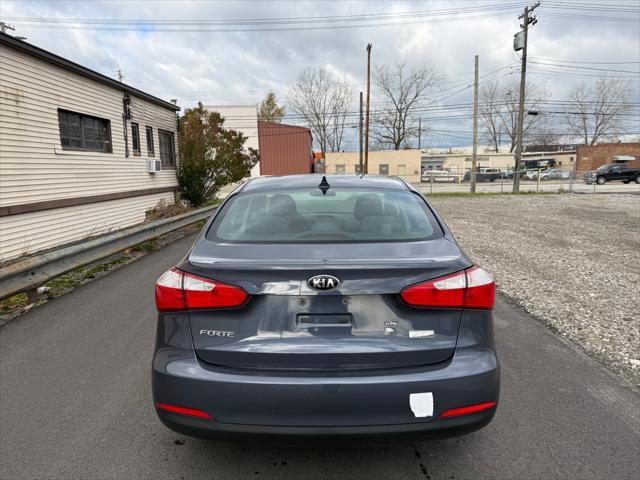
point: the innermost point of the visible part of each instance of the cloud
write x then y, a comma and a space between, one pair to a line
240, 67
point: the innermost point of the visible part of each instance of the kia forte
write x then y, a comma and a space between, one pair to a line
318, 306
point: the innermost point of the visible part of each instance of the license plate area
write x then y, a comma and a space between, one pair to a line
309, 320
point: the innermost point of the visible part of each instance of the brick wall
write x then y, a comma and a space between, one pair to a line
590, 158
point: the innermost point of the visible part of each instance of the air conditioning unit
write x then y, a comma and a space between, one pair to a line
153, 166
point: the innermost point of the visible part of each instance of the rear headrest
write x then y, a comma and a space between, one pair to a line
379, 224
282, 205
391, 209
268, 224
367, 205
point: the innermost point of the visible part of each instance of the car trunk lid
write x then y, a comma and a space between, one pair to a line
361, 324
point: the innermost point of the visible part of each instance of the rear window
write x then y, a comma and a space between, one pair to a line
342, 215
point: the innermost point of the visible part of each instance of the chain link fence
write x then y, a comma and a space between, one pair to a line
502, 181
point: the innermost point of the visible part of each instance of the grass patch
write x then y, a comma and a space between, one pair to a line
11, 304
93, 270
65, 282
146, 247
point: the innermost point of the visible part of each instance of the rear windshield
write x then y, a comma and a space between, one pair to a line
342, 215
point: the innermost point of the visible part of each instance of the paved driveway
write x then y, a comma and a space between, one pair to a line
75, 403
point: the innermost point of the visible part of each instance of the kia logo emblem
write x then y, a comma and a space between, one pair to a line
323, 282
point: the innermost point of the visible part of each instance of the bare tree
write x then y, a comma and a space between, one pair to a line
490, 101
402, 93
341, 101
545, 134
534, 98
323, 100
597, 113
499, 112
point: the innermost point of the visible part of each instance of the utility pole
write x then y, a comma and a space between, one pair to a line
366, 128
360, 134
420, 134
120, 76
474, 158
523, 76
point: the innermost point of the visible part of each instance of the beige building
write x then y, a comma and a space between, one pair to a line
461, 162
402, 163
81, 154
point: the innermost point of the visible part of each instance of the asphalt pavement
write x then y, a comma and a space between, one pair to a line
75, 403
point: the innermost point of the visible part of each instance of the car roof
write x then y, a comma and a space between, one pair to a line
313, 180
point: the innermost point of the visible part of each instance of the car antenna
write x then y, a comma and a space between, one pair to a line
324, 185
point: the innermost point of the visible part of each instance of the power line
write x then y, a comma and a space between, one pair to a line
273, 21
585, 68
583, 61
550, 72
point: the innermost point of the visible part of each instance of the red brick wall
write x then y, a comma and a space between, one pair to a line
590, 158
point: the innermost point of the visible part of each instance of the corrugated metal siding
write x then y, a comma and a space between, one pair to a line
31, 232
284, 149
34, 168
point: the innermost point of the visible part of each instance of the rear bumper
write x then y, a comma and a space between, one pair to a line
310, 435
371, 405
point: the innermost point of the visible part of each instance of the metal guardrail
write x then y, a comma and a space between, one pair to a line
28, 274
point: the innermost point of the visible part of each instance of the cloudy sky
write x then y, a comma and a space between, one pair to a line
233, 52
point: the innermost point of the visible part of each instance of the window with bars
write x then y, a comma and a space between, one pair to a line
84, 132
167, 148
151, 149
135, 139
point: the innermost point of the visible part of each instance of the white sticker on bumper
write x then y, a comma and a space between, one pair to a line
421, 404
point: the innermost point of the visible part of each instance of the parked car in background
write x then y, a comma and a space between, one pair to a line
555, 174
612, 172
484, 175
316, 307
440, 176
510, 173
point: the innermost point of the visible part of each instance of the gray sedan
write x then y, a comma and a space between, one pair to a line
555, 174
318, 307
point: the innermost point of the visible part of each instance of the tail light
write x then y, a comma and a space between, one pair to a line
471, 288
177, 290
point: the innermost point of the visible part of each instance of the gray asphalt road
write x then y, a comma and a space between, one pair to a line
75, 403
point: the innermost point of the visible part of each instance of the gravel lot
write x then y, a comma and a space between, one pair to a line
572, 261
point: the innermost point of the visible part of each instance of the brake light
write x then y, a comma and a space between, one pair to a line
481, 290
188, 412
471, 288
457, 412
177, 290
